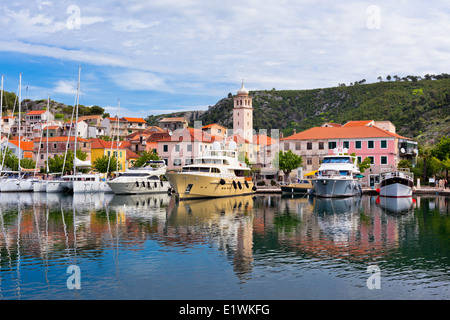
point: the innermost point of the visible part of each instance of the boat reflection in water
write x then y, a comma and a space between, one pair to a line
400, 205
250, 247
349, 205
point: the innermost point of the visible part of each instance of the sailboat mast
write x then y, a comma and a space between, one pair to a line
20, 103
48, 109
76, 123
1, 100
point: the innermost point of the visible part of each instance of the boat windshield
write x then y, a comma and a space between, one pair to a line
133, 174
336, 160
196, 169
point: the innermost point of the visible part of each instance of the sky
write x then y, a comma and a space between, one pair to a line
164, 56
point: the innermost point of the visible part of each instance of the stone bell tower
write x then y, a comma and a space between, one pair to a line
243, 114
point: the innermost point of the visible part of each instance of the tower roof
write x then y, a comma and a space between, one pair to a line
242, 91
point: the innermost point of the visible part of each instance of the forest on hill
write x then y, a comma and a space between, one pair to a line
419, 107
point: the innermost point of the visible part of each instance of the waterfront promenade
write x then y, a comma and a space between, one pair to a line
369, 191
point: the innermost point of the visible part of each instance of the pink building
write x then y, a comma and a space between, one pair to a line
384, 148
182, 146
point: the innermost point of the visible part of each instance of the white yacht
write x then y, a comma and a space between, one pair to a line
83, 182
146, 179
338, 176
216, 174
396, 184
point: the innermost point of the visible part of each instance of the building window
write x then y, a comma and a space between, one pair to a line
177, 148
332, 145
383, 160
383, 144
357, 144
372, 159
177, 162
297, 146
359, 159
309, 161
165, 148
286, 146
346, 144
370, 144
321, 145
189, 147
309, 146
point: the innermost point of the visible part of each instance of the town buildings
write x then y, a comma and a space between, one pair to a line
366, 139
178, 144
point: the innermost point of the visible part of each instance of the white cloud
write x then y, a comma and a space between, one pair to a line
194, 46
139, 81
66, 87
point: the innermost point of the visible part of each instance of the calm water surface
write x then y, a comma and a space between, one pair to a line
263, 247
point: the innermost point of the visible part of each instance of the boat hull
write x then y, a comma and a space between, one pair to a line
139, 187
396, 204
192, 186
335, 188
16, 185
56, 186
87, 186
297, 188
40, 186
396, 190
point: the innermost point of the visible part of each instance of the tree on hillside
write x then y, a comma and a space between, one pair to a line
287, 161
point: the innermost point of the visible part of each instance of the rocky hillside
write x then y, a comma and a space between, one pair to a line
419, 109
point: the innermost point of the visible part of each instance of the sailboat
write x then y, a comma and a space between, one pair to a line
82, 182
17, 184
41, 185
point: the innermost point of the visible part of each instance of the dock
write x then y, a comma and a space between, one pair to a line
366, 191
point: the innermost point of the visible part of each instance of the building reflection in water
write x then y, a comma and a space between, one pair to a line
356, 229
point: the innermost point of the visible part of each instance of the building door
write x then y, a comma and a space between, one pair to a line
374, 179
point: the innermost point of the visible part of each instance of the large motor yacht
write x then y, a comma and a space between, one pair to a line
146, 179
338, 176
218, 173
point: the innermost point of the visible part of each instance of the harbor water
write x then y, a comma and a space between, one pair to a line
268, 246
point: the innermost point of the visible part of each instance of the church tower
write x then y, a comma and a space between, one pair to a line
243, 114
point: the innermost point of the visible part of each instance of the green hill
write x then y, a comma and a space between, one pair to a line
419, 109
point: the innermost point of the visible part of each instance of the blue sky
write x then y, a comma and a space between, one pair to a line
165, 56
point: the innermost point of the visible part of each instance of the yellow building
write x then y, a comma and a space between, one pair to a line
100, 148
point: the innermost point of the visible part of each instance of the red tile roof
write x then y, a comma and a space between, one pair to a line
175, 119
358, 123
24, 145
131, 155
135, 120
212, 125
35, 112
263, 140
97, 143
60, 139
351, 132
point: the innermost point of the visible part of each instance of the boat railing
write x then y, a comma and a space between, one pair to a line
401, 174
